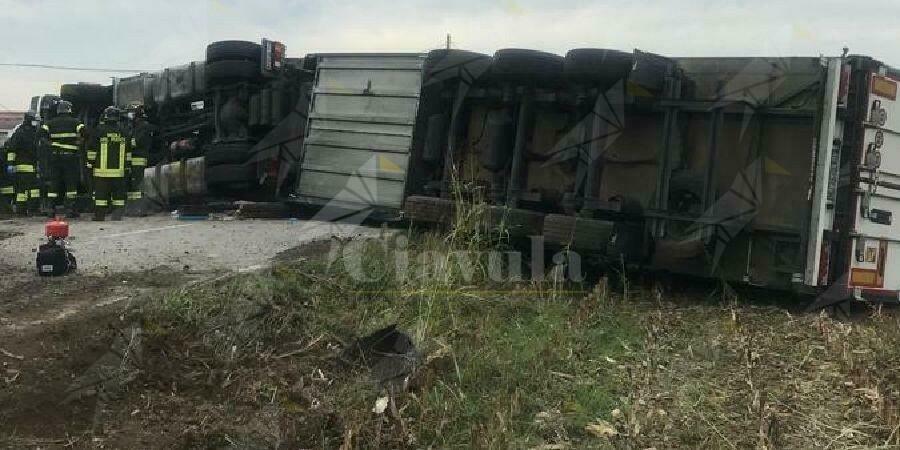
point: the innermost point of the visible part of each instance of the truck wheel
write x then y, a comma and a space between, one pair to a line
429, 209
230, 174
518, 222
523, 64
448, 64
227, 153
233, 51
650, 71
579, 232
597, 65
231, 70
87, 93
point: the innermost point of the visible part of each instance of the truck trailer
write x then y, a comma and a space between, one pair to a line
773, 172
778, 172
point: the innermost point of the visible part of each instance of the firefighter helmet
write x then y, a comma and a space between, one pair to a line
29, 117
111, 114
64, 107
138, 111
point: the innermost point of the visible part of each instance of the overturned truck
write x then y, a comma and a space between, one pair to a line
229, 126
775, 172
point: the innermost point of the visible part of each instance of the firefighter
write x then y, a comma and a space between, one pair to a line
142, 136
22, 156
7, 188
109, 147
65, 137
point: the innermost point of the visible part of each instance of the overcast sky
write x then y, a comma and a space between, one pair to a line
152, 35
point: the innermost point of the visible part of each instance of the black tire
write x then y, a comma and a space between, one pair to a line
227, 153
443, 65
522, 64
650, 71
218, 71
233, 51
433, 210
231, 174
87, 93
596, 65
518, 222
578, 232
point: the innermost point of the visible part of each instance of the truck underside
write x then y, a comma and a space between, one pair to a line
690, 165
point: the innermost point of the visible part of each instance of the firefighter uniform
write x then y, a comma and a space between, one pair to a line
7, 187
22, 156
109, 147
64, 132
141, 141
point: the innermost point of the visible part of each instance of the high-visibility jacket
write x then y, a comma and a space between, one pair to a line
64, 134
21, 150
6, 182
142, 137
110, 148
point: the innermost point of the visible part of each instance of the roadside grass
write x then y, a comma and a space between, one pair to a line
504, 365
510, 364
741, 375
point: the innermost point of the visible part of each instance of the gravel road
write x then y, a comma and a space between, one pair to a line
144, 243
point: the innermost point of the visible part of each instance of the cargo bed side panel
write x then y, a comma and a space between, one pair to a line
360, 130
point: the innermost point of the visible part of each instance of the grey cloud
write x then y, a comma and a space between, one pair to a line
152, 35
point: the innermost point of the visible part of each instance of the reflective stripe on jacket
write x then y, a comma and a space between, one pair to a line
64, 133
110, 148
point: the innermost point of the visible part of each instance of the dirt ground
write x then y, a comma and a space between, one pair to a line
55, 333
51, 333
222, 355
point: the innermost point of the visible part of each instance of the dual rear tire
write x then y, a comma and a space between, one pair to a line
232, 61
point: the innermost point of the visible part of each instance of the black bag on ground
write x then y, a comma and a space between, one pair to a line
54, 260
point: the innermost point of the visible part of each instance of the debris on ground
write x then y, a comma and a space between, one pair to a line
390, 355
262, 210
601, 428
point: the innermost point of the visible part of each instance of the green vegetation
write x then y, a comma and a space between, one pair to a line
510, 364
496, 355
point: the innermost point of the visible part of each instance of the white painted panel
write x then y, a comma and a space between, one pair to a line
818, 220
